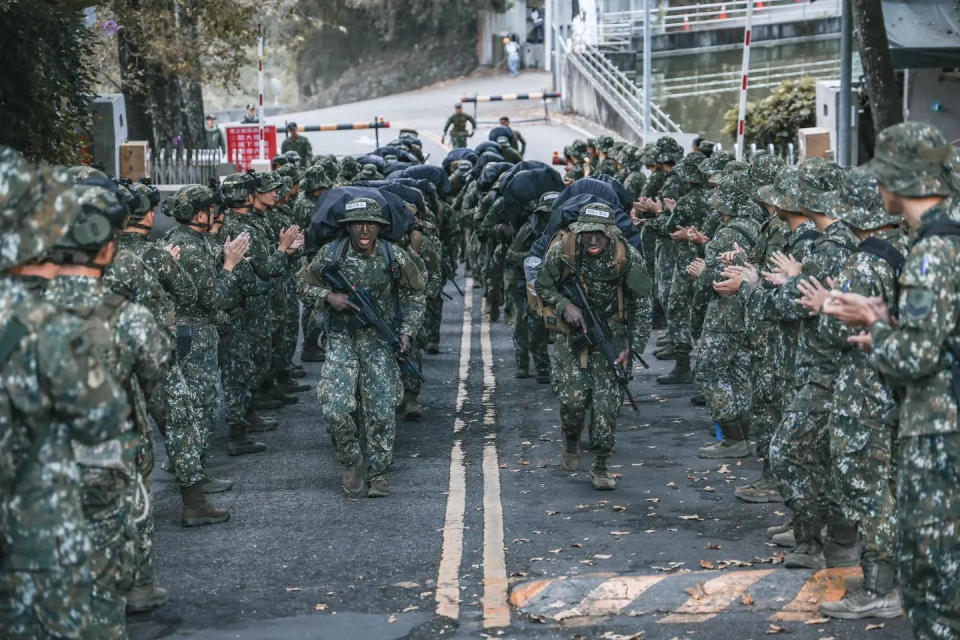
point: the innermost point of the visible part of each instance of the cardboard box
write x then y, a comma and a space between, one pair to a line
814, 143
135, 159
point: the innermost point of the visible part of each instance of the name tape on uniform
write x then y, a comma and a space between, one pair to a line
599, 213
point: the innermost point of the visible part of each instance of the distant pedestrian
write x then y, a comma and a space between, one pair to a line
512, 49
251, 116
298, 143
214, 135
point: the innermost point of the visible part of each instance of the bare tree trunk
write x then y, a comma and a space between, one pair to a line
881, 80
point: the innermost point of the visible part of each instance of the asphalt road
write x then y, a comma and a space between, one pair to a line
484, 535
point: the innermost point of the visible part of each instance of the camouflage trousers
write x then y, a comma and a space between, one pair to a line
678, 308
259, 327
648, 242
172, 408
236, 370
108, 505
799, 460
698, 312
278, 334
44, 604
291, 322
145, 571
432, 317
360, 366
863, 466
474, 256
199, 367
665, 263
767, 407
723, 375
311, 324
579, 388
530, 339
458, 140
929, 507
411, 383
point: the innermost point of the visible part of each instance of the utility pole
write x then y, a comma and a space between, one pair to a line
548, 35
742, 116
846, 61
646, 70
263, 141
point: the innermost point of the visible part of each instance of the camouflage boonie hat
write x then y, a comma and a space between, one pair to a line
279, 160
579, 146
858, 202
290, 171
817, 176
604, 143
706, 147
668, 150
591, 142
689, 171
595, 217
315, 178
286, 186
464, 166
783, 192
293, 157
617, 147
349, 161
36, 207
649, 153
503, 141
369, 171
716, 164
84, 172
764, 170
237, 187
269, 181
695, 157
914, 159
732, 194
363, 210
545, 202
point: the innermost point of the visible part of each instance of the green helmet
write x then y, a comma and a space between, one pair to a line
279, 160
914, 159
140, 198
83, 172
37, 204
237, 187
315, 178
100, 215
818, 176
190, 199
269, 181
858, 202
363, 210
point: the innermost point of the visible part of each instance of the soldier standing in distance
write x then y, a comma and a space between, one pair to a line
917, 172
298, 143
459, 120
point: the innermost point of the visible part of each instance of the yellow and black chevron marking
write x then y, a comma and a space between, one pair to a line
782, 595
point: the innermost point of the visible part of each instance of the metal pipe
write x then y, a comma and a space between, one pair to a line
647, 89
548, 35
741, 117
263, 141
846, 62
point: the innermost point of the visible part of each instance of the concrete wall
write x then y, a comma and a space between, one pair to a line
926, 87
491, 25
580, 97
677, 41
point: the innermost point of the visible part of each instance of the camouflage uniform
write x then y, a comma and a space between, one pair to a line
651, 189
608, 165
313, 180
723, 364
425, 246
585, 379
914, 160
458, 137
668, 154
361, 369
52, 392
301, 145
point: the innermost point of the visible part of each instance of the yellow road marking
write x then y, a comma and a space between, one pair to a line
451, 554
826, 585
719, 594
617, 593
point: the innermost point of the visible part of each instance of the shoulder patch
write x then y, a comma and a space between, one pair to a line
918, 304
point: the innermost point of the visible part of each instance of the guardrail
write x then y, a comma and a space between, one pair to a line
617, 29
178, 165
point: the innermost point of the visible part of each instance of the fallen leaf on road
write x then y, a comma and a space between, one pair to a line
555, 550
651, 531
524, 463
619, 533
576, 545
725, 468
552, 513
706, 564
672, 485
874, 627
739, 463
746, 599
715, 547
697, 592
412, 607
288, 589
392, 618
776, 629
691, 517
602, 556
616, 475
653, 500
672, 566
504, 466
538, 559
709, 488
582, 506
414, 455
520, 540
407, 585
319, 607
619, 507
817, 621
610, 635
526, 442
587, 562
603, 503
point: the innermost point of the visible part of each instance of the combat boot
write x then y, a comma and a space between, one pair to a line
807, 555
840, 549
313, 354
699, 400
726, 449
298, 372
144, 597
215, 485
288, 384
763, 490
877, 598
780, 528
681, 373
521, 374
784, 539
197, 511
259, 424
239, 443
570, 459
378, 487
277, 393
353, 483
665, 353
663, 340
410, 409
600, 476
263, 402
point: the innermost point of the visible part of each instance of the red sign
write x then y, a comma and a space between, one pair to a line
243, 143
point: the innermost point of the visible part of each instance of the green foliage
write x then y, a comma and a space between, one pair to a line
776, 118
46, 83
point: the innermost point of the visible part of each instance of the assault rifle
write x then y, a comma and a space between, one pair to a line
450, 276
368, 316
597, 333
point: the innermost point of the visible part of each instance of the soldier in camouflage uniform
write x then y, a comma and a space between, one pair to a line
54, 392
296, 142
689, 211
114, 497
917, 172
611, 271
773, 374
722, 371
193, 207
634, 179
289, 307
607, 165
349, 169
314, 183
529, 333
863, 412
459, 134
361, 369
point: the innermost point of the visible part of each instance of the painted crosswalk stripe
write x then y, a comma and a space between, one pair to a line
448, 575
616, 594
720, 593
826, 585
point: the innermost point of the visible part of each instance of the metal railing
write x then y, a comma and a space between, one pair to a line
622, 93
697, 84
617, 29
179, 165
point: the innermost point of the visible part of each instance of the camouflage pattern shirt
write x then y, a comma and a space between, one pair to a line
216, 287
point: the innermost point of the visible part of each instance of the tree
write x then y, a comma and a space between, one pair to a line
167, 50
882, 91
777, 118
47, 82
